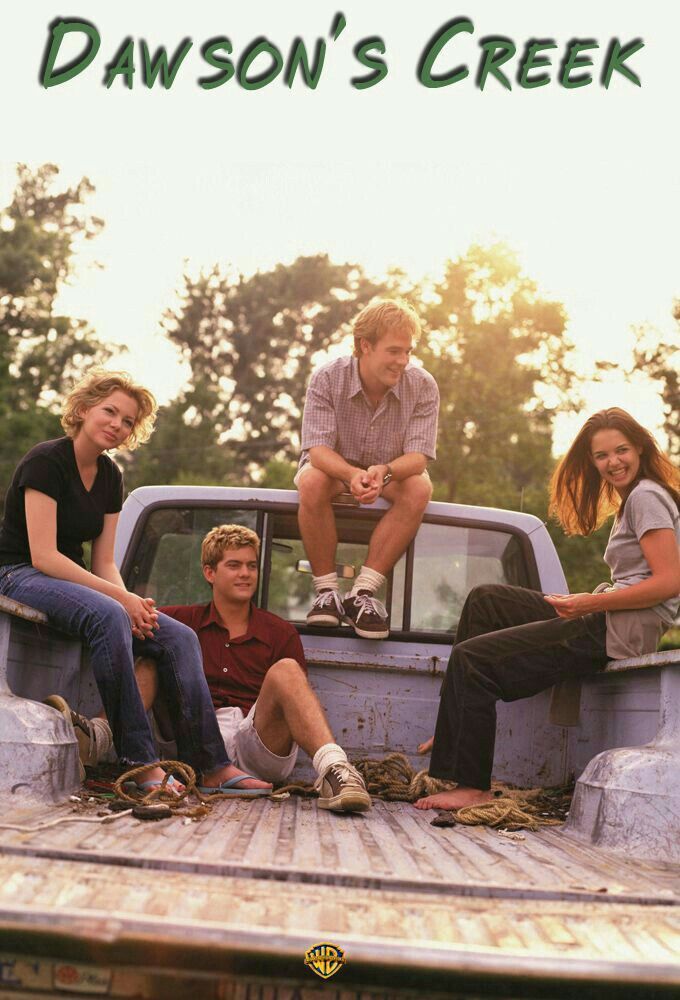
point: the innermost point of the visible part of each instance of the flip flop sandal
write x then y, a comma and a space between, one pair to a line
144, 787
230, 788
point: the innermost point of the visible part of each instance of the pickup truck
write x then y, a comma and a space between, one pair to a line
253, 900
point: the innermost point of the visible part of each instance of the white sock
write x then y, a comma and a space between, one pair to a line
368, 579
327, 582
325, 756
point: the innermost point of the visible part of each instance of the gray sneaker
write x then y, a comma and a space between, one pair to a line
366, 615
82, 729
341, 789
327, 609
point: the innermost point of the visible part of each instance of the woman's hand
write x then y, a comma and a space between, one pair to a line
142, 614
573, 605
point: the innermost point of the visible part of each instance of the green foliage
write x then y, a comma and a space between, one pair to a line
278, 475
252, 344
582, 558
40, 350
183, 451
661, 361
500, 356
671, 640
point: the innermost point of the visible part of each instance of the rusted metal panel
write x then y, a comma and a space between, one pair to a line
616, 710
200, 924
628, 799
10, 607
38, 749
251, 887
668, 657
392, 847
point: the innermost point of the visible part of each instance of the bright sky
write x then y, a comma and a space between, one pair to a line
583, 183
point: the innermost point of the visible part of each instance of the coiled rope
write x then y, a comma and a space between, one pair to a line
392, 779
395, 780
167, 796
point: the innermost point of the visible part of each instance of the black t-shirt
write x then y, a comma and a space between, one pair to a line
51, 468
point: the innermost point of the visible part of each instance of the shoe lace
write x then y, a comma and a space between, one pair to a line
345, 772
369, 605
328, 598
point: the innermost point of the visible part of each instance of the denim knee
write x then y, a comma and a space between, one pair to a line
172, 636
110, 619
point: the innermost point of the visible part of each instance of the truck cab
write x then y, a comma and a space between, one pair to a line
380, 696
261, 897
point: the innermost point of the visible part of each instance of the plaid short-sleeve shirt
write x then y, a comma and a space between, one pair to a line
339, 415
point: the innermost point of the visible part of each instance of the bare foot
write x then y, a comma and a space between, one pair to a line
426, 746
458, 798
215, 778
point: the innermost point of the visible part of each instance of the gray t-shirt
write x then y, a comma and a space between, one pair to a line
648, 506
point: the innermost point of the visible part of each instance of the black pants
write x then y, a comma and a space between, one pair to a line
510, 644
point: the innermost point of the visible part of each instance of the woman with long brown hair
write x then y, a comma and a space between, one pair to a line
512, 643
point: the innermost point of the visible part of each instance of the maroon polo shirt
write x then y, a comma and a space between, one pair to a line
235, 668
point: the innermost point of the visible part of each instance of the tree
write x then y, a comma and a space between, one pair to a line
660, 361
181, 452
252, 343
500, 356
40, 350
582, 558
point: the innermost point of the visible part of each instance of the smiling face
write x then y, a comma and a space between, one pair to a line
382, 364
616, 459
109, 423
234, 578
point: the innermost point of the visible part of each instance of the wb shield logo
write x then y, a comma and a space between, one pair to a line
325, 959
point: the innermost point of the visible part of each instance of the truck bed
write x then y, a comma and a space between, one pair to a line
418, 910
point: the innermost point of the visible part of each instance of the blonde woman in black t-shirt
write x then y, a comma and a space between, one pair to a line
66, 492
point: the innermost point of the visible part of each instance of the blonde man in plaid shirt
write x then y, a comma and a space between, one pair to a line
370, 426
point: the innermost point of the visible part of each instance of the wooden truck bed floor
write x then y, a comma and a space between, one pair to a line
413, 906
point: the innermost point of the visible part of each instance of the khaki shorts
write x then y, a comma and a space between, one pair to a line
300, 471
246, 749
633, 633
308, 465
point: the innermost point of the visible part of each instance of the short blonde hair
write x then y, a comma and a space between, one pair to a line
97, 385
226, 536
382, 315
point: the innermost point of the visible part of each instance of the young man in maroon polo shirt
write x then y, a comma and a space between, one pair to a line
256, 672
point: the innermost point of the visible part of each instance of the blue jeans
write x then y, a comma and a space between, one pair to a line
104, 627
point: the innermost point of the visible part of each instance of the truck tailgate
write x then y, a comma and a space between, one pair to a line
237, 899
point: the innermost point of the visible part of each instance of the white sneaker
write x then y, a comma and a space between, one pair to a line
341, 789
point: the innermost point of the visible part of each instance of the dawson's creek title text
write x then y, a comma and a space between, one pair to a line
450, 56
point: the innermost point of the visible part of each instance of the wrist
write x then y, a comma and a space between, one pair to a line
599, 601
388, 474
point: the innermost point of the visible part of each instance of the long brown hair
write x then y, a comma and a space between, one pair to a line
579, 498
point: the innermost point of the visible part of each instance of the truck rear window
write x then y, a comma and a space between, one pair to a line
429, 584
167, 560
449, 561
425, 593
